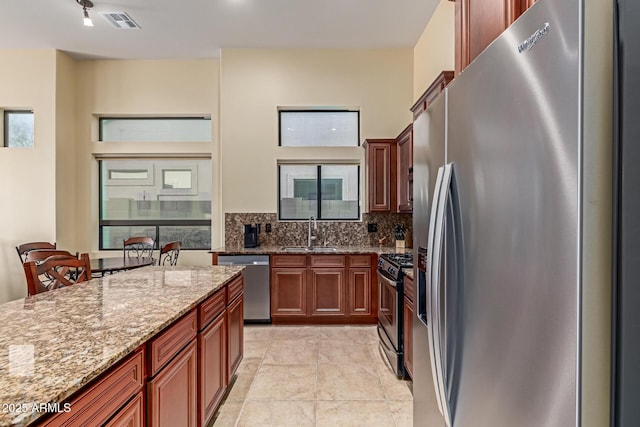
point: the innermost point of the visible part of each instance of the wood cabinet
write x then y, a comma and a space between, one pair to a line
106, 396
212, 365
381, 166
328, 289
173, 393
235, 334
131, 415
409, 309
479, 22
288, 291
176, 378
435, 88
404, 178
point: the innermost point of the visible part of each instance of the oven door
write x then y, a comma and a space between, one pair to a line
387, 307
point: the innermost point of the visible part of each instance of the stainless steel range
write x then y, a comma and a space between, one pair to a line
390, 315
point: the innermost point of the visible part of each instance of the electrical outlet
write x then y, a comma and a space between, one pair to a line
372, 227
267, 228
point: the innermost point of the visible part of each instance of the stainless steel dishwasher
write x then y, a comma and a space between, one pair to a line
257, 301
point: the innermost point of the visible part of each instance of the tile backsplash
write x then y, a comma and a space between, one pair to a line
333, 233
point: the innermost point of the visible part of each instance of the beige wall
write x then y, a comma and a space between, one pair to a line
28, 193
130, 87
66, 201
254, 83
434, 51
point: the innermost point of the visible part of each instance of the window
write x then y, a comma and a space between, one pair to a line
319, 128
155, 129
330, 192
18, 129
165, 199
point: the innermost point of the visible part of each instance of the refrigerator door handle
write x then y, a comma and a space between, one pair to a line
429, 286
436, 288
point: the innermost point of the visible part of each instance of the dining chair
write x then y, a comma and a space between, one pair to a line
138, 247
39, 255
169, 254
25, 248
57, 271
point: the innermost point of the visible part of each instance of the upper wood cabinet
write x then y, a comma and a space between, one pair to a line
435, 88
381, 166
404, 142
479, 22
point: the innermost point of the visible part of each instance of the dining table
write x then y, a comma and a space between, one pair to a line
109, 265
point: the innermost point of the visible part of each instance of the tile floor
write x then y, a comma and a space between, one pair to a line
315, 376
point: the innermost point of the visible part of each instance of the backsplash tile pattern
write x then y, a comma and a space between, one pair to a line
333, 233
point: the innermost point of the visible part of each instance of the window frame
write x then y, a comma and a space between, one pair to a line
315, 110
102, 118
156, 223
319, 192
5, 126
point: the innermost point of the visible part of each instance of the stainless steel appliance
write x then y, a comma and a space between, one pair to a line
512, 225
390, 308
257, 301
626, 410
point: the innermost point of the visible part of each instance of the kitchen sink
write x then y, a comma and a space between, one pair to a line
307, 249
323, 249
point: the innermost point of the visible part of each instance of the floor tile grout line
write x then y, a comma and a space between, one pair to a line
244, 401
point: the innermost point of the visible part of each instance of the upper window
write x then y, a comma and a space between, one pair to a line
165, 199
18, 128
319, 128
155, 129
322, 191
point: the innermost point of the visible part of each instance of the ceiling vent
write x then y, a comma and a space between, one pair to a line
121, 20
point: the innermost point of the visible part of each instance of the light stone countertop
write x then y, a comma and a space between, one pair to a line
265, 250
54, 343
408, 272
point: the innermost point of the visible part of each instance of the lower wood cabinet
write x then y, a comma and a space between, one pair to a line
327, 292
323, 289
212, 366
360, 292
235, 334
173, 393
106, 396
131, 415
288, 292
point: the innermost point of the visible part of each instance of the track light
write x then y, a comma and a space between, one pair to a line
86, 4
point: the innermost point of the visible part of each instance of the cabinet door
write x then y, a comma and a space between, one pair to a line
212, 364
479, 22
288, 292
360, 295
173, 393
408, 336
405, 165
235, 334
381, 170
131, 415
327, 291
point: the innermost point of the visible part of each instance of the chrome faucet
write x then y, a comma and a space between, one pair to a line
311, 237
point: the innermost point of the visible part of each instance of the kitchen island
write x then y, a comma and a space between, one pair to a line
56, 347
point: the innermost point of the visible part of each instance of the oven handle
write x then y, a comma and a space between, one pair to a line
382, 341
388, 281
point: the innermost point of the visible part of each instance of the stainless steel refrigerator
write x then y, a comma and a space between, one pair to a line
513, 226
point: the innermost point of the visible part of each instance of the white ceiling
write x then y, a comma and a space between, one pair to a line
199, 28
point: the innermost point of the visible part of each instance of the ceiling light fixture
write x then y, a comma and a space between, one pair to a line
86, 4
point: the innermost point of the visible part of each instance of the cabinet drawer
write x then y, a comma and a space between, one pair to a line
234, 289
409, 289
359, 260
166, 345
327, 261
131, 415
211, 308
288, 260
104, 398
